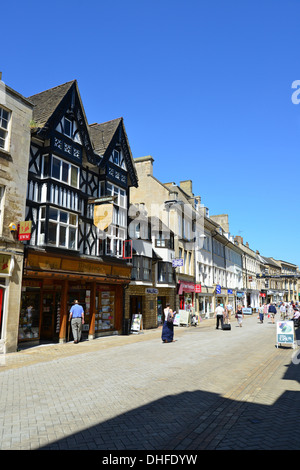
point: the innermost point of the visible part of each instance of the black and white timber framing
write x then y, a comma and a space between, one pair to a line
70, 163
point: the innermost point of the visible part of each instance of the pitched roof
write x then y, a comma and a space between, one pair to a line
103, 133
104, 136
46, 102
271, 262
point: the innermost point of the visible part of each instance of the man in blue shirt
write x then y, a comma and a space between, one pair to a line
77, 320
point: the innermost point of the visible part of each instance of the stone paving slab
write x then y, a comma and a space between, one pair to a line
210, 389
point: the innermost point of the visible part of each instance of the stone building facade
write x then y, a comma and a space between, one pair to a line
15, 117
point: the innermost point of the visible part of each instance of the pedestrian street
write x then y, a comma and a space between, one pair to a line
210, 389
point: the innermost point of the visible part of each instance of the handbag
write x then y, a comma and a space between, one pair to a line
170, 318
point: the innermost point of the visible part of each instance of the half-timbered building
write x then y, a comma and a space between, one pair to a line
74, 167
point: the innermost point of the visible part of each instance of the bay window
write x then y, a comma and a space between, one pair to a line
141, 268
165, 272
62, 228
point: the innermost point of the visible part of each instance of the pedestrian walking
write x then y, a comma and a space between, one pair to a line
167, 334
261, 313
282, 311
272, 311
229, 309
77, 320
219, 314
239, 315
290, 310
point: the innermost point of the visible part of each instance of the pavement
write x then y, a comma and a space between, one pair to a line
208, 390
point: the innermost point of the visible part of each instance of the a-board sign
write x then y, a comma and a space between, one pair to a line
136, 322
184, 317
176, 321
247, 311
285, 332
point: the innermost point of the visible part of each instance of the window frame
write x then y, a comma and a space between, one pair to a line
6, 138
166, 269
141, 268
45, 220
62, 164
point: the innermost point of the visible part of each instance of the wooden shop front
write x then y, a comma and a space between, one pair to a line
51, 283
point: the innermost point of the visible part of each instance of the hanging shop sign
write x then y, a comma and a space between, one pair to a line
177, 262
103, 215
25, 230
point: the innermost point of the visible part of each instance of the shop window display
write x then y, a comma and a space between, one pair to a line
29, 316
105, 314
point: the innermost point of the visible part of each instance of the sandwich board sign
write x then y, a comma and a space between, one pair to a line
285, 332
136, 323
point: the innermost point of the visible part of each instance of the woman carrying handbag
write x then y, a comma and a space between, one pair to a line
167, 334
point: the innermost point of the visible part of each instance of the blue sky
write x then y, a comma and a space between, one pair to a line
204, 87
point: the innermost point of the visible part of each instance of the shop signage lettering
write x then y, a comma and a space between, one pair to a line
151, 290
186, 287
69, 265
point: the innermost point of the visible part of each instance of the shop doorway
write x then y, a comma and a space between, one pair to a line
161, 305
136, 304
50, 318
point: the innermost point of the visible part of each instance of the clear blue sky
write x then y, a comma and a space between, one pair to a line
204, 87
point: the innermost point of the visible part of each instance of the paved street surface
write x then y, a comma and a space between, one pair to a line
210, 389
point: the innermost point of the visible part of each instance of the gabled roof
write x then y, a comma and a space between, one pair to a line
105, 136
49, 107
46, 102
102, 134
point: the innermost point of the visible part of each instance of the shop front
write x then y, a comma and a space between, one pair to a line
186, 293
50, 286
221, 296
205, 301
149, 302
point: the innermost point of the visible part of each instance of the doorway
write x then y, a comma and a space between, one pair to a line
50, 322
136, 304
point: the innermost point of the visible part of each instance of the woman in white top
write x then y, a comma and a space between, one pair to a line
167, 334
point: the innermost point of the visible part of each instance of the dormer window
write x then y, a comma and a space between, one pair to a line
117, 158
67, 127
